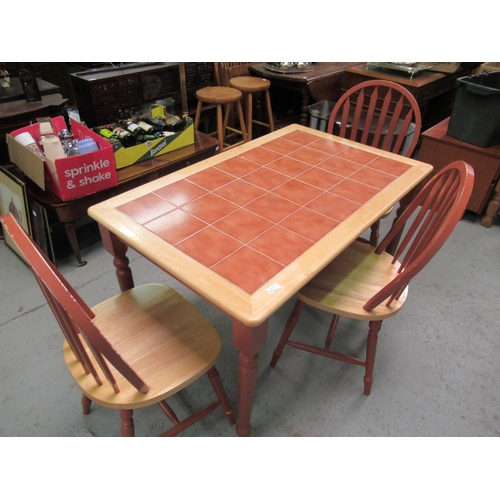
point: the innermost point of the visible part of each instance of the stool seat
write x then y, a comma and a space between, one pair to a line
218, 95
249, 83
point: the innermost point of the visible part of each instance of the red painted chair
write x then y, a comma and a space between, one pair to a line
369, 284
381, 114
132, 350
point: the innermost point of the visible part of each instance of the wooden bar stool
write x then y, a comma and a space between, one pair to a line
222, 96
249, 85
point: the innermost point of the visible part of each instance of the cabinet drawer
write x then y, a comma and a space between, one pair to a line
102, 86
115, 99
113, 115
105, 101
160, 84
130, 95
205, 79
204, 66
190, 68
129, 81
191, 82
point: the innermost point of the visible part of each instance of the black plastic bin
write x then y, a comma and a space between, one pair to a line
475, 117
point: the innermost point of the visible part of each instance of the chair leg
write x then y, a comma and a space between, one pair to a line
371, 348
165, 408
86, 402
290, 325
331, 331
128, 429
213, 376
222, 400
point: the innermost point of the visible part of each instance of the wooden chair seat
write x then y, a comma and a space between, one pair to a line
132, 350
168, 342
369, 284
355, 276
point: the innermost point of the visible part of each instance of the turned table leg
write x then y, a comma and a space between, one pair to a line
249, 341
118, 250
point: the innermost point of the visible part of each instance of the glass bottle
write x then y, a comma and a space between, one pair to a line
134, 129
27, 140
174, 123
152, 132
155, 122
106, 132
28, 82
125, 137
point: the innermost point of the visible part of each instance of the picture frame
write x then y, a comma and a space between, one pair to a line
40, 228
14, 199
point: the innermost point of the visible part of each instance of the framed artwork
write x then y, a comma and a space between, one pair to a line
13, 199
40, 228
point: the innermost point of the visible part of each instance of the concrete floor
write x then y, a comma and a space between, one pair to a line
436, 372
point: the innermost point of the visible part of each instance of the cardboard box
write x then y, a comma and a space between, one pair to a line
445, 67
150, 149
488, 66
76, 176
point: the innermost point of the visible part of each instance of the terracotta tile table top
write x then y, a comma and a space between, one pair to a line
262, 219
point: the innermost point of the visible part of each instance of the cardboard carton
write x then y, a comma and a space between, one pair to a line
445, 67
75, 176
488, 66
151, 149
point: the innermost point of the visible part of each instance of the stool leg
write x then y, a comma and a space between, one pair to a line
242, 122
249, 103
220, 128
269, 111
197, 117
227, 112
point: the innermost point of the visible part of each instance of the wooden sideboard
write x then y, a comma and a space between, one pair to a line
434, 92
323, 83
439, 149
109, 94
18, 113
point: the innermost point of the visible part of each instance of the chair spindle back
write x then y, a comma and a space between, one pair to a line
228, 70
71, 312
436, 210
378, 113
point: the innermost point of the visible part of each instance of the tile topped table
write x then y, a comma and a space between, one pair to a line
248, 228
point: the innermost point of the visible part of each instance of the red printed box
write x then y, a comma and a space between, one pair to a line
75, 176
